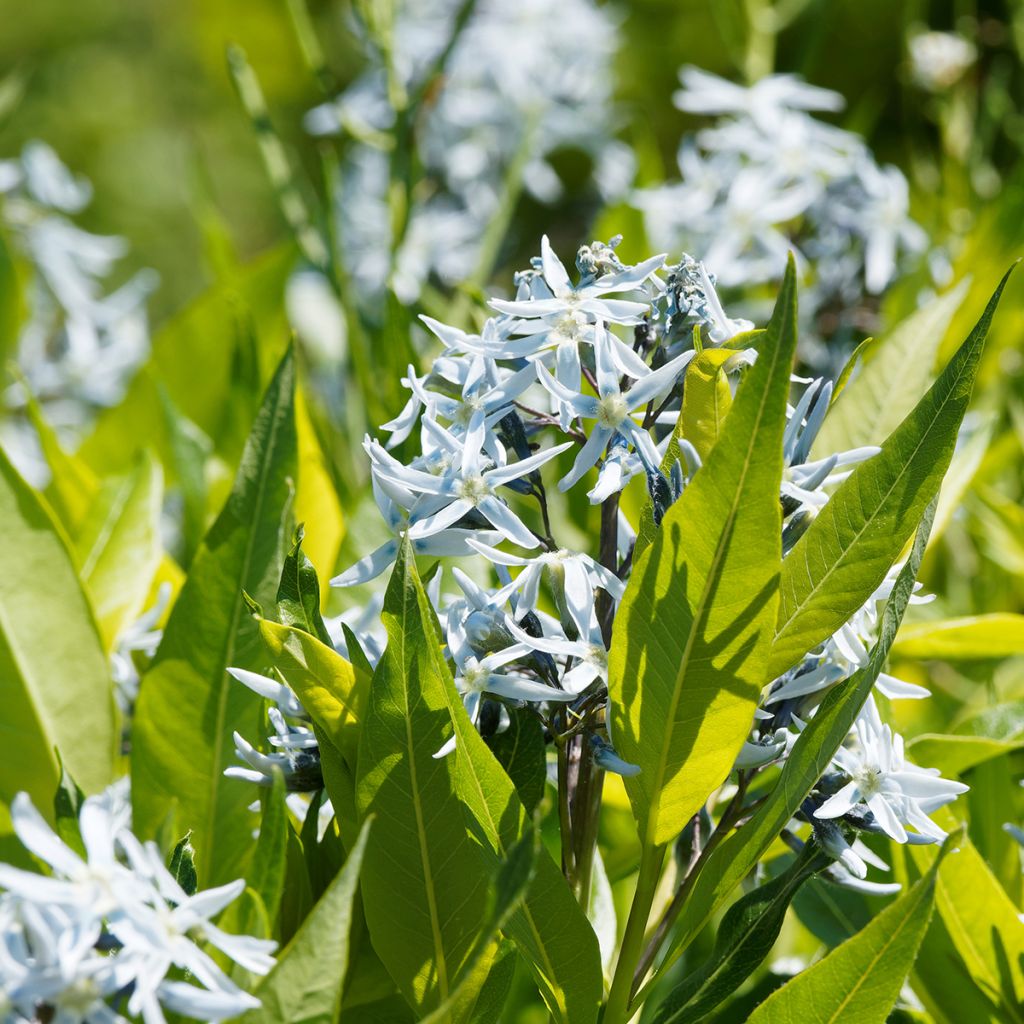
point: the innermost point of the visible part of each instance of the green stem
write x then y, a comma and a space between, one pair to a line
617, 1007
761, 30
564, 818
586, 814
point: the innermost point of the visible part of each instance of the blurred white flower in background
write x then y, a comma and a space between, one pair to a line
767, 178
518, 85
82, 341
939, 59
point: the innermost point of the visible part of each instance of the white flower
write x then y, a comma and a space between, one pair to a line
765, 102
612, 408
939, 59
467, 485
895, 791
572, 574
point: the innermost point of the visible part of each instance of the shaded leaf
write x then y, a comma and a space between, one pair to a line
745, 937
861, 979
306, 985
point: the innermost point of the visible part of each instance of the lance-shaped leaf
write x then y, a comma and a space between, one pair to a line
550, 930
425, 882
895, 372
844, 555
57, 693
809, 759
298, 595
119, 547
745, 937
694, 629
707, 399
861, 979
998, 635
333, 692
306, 985
981, 920
188, 704
510, 886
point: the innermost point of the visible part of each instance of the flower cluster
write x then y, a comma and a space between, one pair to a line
81, 343
111, 930
517, 85
599, 359
768, 177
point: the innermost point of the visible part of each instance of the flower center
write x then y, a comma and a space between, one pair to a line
475, 677
611, 411
467, 407
79, 996
869, 781
474, 489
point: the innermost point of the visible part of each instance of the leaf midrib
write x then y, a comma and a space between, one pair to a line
879, 953
701, 609
236, 609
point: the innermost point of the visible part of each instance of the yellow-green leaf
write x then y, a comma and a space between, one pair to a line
694, 629
55, 679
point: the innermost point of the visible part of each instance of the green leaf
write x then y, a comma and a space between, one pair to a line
694, 629
67, 804
896, 370
119, 547
73, 485
707, 399
306, 985
745, 937
846, 552
953, 754
859, 353
57, 690
188, 705
520, 750
424, 928
550, 930
11, 301
266, 876
861, 979
980, 918
332, 690
298, 595
809, 759
510, 887
999, 635
189, 449
182, 864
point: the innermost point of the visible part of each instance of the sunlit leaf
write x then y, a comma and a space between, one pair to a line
188, 705
855, 539
694, 629
57, 689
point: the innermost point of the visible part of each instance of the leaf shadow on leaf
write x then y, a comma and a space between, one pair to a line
703, 648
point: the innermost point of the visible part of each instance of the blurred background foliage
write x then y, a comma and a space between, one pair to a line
137, 98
